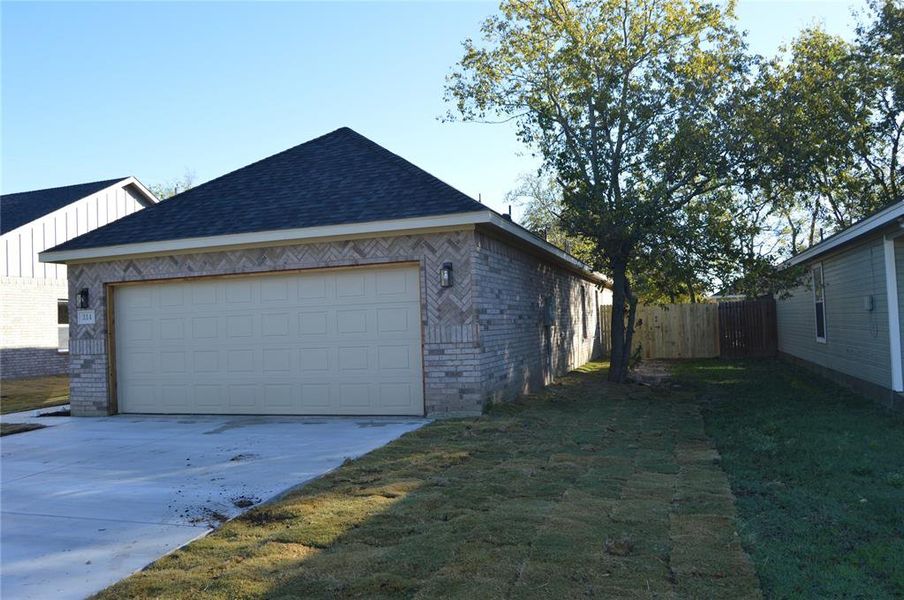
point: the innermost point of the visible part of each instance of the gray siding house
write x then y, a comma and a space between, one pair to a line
334, 278
34, 324
845, 318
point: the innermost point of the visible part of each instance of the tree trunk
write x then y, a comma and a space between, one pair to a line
631, 299
622, 329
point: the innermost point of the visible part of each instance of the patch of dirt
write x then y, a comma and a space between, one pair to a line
243, 457
622, 547
650, 372
57, 413
245, 501
213, 518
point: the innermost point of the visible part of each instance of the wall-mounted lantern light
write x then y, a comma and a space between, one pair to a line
82, 300
445, 275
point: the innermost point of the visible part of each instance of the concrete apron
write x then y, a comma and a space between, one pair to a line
88, 501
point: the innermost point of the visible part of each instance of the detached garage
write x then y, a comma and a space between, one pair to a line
334, 278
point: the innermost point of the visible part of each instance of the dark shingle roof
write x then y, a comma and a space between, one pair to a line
339, 178
23, 207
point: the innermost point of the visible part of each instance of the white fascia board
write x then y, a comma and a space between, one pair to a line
271, 237
148, 194
880, 219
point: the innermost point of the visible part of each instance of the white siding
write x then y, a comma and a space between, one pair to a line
19, 248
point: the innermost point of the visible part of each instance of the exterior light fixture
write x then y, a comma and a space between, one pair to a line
445, 275
82, 300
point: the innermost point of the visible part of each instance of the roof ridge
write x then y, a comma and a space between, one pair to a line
249, 165
405, 163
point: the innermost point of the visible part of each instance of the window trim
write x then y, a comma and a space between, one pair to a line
819, 303
584, 311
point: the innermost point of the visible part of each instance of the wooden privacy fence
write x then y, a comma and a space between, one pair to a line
729, 329
748, 328
672, 330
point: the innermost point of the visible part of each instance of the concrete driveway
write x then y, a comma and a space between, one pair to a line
86, 502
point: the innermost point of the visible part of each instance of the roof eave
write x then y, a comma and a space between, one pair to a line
871, 224
147, 199
322, 233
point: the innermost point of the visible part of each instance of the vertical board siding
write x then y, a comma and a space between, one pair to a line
857, 341
20, 247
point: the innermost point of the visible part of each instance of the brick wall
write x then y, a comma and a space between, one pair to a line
29, 335
449, 322
520, 353
511, 352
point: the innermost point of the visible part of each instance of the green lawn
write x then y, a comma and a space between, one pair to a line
33, 393
585, 490
819, 477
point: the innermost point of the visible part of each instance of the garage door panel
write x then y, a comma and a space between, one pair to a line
396, 394
314, 323
275, 324
316, 397
207, 398
204, 328
340, 342
171, 362
315, 359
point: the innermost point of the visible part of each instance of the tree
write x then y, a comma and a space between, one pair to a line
880, 55
825, 117
541, 198
808, 116
173, 186
628, 103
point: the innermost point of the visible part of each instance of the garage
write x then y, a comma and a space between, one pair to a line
333, 278
321, 342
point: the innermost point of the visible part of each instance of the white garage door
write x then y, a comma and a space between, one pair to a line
332, 342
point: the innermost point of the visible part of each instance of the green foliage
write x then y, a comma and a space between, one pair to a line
630, 105
825, 119
627, 103
542, 202
172, 187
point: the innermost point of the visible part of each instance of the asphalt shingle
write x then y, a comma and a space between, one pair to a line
339, 178
24, 207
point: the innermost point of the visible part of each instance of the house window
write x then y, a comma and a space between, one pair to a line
819, 297
63, 325
584, 311
62, 311
596, 305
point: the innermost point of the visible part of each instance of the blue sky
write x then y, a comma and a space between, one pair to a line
100, 90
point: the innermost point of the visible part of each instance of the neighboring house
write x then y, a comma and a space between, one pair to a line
332, 278
34, 321
846, 317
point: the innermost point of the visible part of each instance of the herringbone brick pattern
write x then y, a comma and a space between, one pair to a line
448, 316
